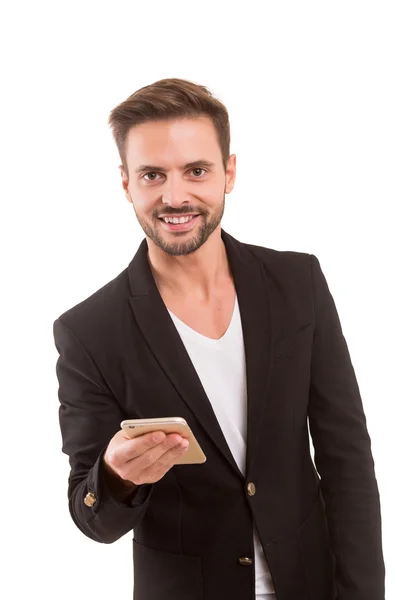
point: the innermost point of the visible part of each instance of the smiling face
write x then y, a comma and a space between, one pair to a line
176, 170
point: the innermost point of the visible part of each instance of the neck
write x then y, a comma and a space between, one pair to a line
195, 275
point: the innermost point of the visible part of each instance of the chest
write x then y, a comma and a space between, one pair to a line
210, 319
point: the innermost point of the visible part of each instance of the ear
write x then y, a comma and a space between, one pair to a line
125, 183
230, 174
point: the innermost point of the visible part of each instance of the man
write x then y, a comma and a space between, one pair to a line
245, 343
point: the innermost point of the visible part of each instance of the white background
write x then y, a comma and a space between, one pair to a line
312, 89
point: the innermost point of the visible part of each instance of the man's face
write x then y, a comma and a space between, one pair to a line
176, 170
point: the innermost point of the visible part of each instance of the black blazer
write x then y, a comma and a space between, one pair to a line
122, 357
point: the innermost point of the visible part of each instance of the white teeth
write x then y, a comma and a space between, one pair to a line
176, 220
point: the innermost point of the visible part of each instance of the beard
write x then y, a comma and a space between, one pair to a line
196, 238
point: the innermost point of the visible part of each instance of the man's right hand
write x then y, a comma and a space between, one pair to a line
143, 459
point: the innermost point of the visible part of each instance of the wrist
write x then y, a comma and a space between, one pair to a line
114, 482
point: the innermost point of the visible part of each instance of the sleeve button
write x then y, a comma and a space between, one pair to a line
244, 560
90, 499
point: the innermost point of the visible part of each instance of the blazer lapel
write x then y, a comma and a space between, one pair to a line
162, 336
256, 315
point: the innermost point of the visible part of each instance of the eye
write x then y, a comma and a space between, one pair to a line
150, 173
198, 169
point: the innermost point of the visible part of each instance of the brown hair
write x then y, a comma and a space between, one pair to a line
167, 99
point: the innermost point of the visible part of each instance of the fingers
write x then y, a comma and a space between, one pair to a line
160, 465
132, 448
142, 444
128, 458
153, 453
122, 449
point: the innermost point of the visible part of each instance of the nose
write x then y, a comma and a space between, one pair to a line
175, 191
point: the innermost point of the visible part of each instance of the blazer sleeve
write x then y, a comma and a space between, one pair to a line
89, 417
343, 455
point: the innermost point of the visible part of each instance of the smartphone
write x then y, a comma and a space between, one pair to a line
136, 427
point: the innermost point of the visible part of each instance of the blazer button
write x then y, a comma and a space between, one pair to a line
90, 499
251, 489
244, 560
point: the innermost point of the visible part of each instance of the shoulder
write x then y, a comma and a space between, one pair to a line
100, 309
271, 255
281, 263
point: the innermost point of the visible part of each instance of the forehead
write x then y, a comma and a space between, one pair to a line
175, 139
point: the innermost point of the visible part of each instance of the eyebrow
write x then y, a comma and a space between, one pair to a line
192, 165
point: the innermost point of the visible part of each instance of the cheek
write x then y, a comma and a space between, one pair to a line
145, 199
210, 192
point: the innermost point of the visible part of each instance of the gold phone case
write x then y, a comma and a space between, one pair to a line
136, 427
